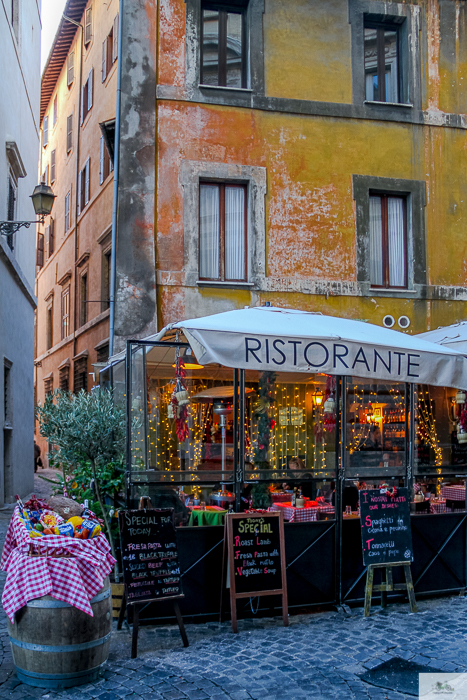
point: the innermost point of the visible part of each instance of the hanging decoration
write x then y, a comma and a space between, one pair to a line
180, 399
265, 422
329, 422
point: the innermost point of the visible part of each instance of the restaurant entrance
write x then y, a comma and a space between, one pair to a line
206, 438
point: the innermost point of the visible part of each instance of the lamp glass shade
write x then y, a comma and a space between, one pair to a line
318, 397
42, 199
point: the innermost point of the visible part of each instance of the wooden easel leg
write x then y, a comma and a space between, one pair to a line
410, 590
285, 610
368, 590
121, 613
134, 637
181, 626
233, 611
384, 582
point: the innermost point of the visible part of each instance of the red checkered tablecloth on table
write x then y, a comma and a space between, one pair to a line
74, 578
280, 497
300, 515
439, 507
454, 493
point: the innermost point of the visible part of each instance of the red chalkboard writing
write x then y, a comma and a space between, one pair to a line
386, 530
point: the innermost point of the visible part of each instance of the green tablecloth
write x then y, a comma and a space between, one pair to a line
207, 517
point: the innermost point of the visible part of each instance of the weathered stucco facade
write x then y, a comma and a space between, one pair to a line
310, 149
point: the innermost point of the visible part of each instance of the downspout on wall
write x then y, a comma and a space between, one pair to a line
113, 248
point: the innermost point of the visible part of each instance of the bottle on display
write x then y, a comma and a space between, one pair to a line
294, 497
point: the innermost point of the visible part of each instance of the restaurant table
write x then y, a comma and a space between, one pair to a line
439, 507
206, 517
453, 493
300, 515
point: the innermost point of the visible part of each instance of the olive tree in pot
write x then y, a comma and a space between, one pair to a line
87, 433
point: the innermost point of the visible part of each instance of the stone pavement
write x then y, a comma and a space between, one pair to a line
319, 656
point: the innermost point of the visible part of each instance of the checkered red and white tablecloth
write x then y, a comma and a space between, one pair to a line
454, 493
300, 515
439, 507
73, 578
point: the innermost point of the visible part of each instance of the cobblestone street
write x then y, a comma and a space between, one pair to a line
318, 656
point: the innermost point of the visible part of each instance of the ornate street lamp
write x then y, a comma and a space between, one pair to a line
42, 201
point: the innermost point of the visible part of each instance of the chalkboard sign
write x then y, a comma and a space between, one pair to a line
254, 545
150, 557
386, 531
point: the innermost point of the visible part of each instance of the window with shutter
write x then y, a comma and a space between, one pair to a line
104, 60
52, 166
87, 175
103, 353
80, 378
110, 44
49, 325
64, 379
47, 237
55, 110
71, 68
46, 174
105, 165
101, 161
80, 192
48, 386
83, 299
11, 206
40, 250
65, 312
51, 238
69, 133
88, 26
45, 131
115, 39
90, 87
67, 211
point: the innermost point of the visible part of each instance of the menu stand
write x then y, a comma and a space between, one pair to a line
136, 610
388, 584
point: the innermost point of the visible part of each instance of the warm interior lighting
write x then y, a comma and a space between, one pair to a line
318, 397
189, 360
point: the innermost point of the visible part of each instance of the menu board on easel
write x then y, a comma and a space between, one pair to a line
255, 552
386, 530
149, 553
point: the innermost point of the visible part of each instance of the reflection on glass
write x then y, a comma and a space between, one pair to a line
376, 427
234, 50
210, 54
381, 64
222, 49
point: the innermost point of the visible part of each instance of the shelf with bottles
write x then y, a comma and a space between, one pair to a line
394, 416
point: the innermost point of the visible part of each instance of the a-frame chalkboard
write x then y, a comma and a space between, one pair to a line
255, 552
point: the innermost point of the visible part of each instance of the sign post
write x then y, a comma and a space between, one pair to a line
386, 541
255, 554
151, 571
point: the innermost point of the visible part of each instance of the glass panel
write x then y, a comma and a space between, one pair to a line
376, 430
234, 50
376, 242
371, 64
396, 242
209, 231
289, 433
391, 61
210, 53
137, 412
234, 233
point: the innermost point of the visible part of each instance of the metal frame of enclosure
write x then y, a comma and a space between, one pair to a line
324, 558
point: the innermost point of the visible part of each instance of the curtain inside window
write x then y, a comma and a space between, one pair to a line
234, 233
209, 232
396, 242
376, 242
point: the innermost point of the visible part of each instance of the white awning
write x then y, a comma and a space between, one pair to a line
268, 338
453, 337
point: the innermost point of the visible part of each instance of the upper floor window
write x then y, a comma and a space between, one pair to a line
50, 235
67, 211
222, 232
223, 46
65, 324
86, 95
69, 133
105, 166
88, 25
49, 325
45, 131
110, 49
83, 299
83, 186
52, 166
71, 68
40, 250
382, 64
388, 241
55, 110
11, 204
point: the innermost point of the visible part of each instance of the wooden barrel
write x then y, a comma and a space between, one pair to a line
55, 645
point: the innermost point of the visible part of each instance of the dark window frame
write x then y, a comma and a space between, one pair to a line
223, 10
83, 297
221, 262
380, 28
384, 196
65, 317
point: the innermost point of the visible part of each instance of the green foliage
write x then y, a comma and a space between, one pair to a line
87, 433
261, 496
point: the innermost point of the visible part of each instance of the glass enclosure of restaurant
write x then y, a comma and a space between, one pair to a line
229, 429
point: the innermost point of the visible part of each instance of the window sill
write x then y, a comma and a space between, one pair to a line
224, 87
225, 285
388, 104
391, 291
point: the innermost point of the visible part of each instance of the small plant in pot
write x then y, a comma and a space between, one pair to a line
462, 428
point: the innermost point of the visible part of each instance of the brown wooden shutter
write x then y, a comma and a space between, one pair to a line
88, 26
40, 250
